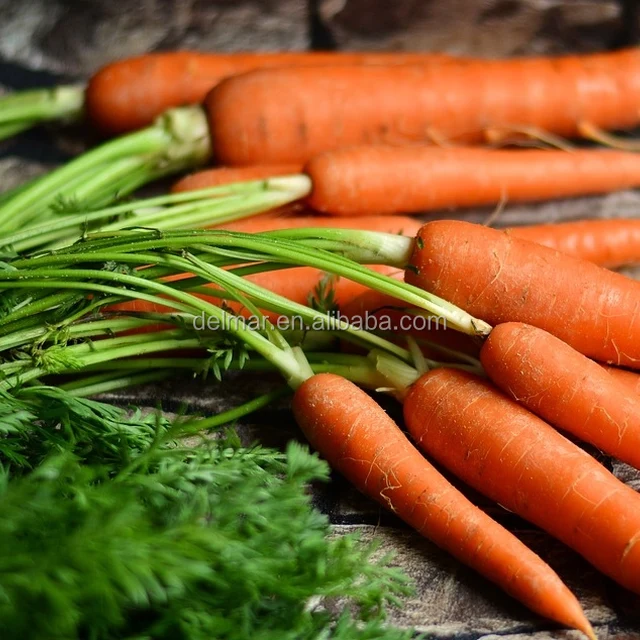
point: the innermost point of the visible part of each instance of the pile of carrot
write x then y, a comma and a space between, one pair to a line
385, 135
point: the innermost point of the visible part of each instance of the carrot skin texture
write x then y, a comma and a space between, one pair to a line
630, 379
513, 457
386, 179
292, 114
500, 278
564, 388
129, 94
607, 243
220, 176
365, 445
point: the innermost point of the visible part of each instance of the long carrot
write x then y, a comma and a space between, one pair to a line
564, 388
518, 460
359, 440
292, 114
608, 243
499, 278
129, 94
227, 175
386, 179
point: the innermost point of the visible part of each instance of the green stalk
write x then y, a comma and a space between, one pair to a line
25, 109
178, 139
206, 207
112, 381
288, 360
228, 246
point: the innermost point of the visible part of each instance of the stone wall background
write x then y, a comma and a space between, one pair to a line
44, 42
74, 37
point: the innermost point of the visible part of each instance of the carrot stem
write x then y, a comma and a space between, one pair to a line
177, 140
207, 207
25, 109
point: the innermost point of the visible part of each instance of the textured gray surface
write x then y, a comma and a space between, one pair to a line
473, 27
76, 36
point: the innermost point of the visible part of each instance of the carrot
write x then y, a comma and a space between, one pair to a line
515, 458
228, 175
608, 243
292, 114
129, 94
564, 388
630, 379
500, 278
385, 179
363, 443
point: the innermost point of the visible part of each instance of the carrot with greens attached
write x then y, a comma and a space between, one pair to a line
608, 243
500, 278
228, 175
515, 458
363, 443
565, 388
332, 107
386, 179
129, 94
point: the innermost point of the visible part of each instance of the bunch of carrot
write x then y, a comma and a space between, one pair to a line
377, 135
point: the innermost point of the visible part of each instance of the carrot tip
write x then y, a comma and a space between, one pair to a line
588, 631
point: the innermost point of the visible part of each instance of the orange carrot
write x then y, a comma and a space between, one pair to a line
630, 379
364, 444
608, 243
515, 458
228, 175
385, 179
564, 388
129, 94
499, 278
292, 114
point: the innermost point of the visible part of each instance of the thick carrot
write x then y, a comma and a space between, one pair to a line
630, 379
385, 179
518, 460
363, 443
129, 94
228, 175
499, 278
564, 388
292, 114
608, 243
